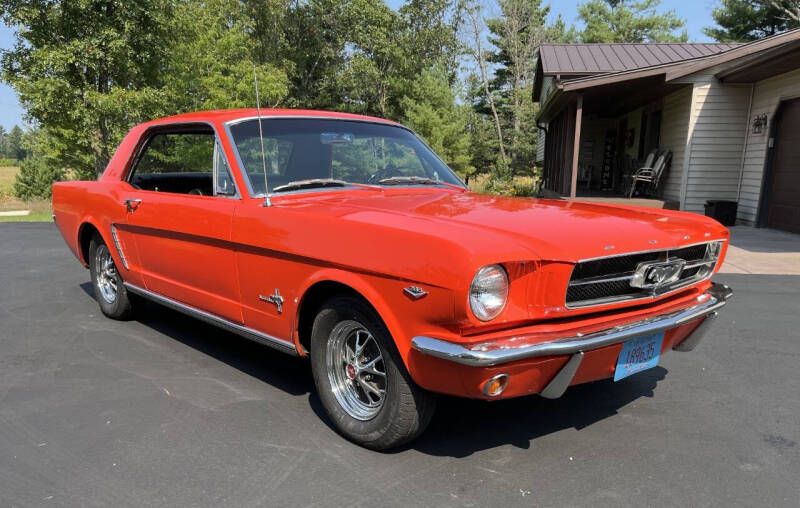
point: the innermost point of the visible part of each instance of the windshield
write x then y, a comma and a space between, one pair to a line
299, 150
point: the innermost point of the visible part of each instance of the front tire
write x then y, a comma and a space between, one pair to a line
110, 293
361, 379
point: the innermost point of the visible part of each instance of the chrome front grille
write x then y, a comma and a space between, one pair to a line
608, 280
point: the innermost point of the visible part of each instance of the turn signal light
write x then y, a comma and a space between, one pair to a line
496, 385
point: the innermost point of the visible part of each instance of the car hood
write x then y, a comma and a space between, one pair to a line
549, 229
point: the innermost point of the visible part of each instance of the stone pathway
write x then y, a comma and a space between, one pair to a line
762, 251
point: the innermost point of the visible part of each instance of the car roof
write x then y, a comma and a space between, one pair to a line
227, 115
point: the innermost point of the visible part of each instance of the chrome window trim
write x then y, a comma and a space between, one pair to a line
611, 300
248, 333
217, 140
217, 151
243, 171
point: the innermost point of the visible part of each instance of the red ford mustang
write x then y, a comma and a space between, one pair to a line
345, 239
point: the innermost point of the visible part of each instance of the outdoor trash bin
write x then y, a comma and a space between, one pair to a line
722, 211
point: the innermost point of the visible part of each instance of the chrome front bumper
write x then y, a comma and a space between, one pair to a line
484, 355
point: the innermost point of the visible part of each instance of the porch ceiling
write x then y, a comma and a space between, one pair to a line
617, 99
613, 99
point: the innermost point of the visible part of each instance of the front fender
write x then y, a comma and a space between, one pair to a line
403, 315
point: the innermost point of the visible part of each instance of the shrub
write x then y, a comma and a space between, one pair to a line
35, 178
516, 186
6, 162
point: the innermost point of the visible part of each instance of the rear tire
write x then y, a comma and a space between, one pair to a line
361, 379
109, 291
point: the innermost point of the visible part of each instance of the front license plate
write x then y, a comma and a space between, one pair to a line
638, 354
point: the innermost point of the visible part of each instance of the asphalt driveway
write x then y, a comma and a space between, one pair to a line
167, 411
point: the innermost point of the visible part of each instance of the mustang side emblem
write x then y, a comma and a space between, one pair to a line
276, 299
415, 292
655, 275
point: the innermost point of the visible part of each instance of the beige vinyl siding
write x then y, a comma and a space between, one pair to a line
674, 135
767, 95
717, 125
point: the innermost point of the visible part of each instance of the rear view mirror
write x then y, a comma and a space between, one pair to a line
336, 138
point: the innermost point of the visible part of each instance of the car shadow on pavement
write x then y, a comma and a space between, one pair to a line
459, 428
287, 373
462, 427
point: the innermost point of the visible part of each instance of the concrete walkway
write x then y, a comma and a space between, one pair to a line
762, 251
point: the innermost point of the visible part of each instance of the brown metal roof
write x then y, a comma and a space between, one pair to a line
587, 59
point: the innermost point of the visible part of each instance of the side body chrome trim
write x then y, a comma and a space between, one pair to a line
119, 246
483, 355
248, 333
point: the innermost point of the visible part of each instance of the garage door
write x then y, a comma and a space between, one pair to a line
783, 200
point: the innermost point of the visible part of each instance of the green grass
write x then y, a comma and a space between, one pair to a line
33, 217
7, 175
40, 208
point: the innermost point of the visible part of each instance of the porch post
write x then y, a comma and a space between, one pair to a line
573, 187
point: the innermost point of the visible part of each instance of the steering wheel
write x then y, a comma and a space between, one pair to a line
196, 191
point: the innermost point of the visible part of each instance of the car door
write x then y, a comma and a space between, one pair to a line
179, 216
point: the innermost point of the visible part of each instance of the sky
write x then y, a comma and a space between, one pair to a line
697, 14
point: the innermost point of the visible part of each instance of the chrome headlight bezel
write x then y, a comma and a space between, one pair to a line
714, 250
488, 292
711, 257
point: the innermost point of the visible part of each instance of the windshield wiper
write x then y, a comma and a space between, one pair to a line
400, 180
310, 184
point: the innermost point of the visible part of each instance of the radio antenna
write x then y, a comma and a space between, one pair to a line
267, 201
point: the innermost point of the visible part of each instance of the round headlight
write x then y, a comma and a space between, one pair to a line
489, 292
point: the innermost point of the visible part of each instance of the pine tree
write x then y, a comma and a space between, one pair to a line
626, 21
747, 20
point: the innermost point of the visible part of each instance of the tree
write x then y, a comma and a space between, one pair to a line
625, 21
14, 148
86, 70
789, 9
747, 20
214, 55
430, 110
517, 34
3, 143
35, 178
474, 30
36, 174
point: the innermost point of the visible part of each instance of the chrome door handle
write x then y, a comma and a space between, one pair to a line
132, 204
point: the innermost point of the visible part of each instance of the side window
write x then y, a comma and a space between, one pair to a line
178, 162
223, 179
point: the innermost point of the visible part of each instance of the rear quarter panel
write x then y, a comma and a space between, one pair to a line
78, 205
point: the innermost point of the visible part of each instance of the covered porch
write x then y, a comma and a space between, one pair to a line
597, 137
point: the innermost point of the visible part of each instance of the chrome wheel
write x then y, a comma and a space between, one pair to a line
356, 370
106, 274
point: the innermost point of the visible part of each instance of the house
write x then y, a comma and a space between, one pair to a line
729, 114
